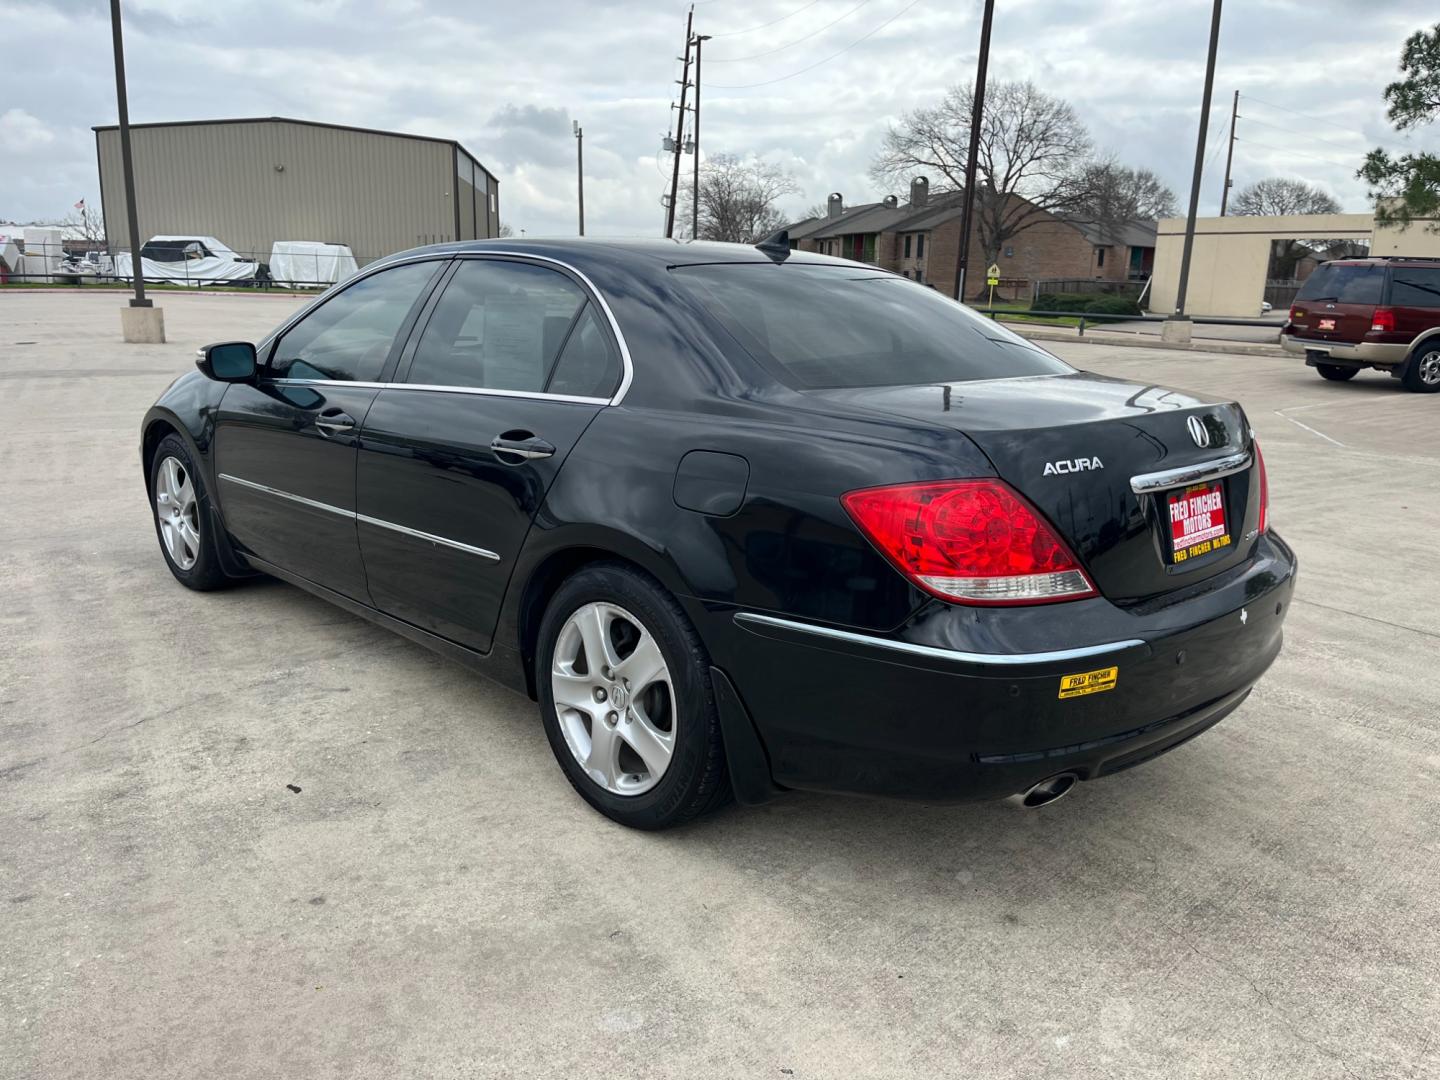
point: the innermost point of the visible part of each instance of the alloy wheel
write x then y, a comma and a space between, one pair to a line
178, 512
614, 698
1430, 367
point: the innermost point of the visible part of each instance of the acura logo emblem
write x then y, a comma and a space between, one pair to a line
1198, 431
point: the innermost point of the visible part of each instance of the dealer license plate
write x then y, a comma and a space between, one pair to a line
1197, 521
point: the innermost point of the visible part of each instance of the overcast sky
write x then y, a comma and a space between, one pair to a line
506, 78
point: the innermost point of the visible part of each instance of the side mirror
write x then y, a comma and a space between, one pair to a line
227, 361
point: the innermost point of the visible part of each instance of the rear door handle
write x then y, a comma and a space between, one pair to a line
521, 446
334, 422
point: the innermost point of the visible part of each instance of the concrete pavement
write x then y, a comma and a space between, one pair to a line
434, 900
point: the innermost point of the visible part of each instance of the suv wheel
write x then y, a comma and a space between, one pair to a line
1422, 371
626, 699
1336, 372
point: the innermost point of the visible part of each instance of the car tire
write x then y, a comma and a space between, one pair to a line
179, 505
650, 692
1422, 371
1336, 372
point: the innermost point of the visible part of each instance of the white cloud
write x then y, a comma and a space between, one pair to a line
505, 79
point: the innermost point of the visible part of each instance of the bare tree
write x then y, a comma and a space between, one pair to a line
1275, 196
505, 230
89, 224
1032, 157
738, 199
1114, 195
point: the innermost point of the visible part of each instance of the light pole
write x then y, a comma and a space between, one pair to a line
1177, 327
580, 169
977, 112
695, 190
141, 321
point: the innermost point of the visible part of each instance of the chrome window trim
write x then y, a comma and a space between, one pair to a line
627, 365
1005, 659
314, 504
436, 388
1146, 483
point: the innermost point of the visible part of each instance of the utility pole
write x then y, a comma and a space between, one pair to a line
1179, 320
695, 191
977, 111
580, 169
142, 322
680, 127
1230, 154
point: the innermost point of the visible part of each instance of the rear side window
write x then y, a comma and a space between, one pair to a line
817, 327
1344, 283
1415, 286
349, 337
499, 326
589, 366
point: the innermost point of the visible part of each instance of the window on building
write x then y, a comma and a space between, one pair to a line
905, 272
907, 248
1009, 252
1099, 256
920, 246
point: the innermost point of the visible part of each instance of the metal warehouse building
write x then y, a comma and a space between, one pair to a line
249, 183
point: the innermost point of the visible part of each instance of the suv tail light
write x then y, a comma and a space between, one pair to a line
969, 541
1383, 319
1264, 486
1296, 312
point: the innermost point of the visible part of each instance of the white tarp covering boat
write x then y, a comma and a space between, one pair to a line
309, 264
187, 260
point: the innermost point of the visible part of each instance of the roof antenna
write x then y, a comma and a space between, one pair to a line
776, 246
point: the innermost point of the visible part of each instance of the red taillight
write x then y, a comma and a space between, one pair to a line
1295, 312
1383, 319
1264, 487
969, 541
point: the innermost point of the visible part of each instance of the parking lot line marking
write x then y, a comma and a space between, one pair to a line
1310, 429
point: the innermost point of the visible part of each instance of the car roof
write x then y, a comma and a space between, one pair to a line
657, 252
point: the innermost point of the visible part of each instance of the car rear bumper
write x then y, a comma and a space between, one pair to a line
1364, 352
896, 716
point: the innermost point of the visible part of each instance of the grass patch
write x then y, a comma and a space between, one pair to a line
1019, 311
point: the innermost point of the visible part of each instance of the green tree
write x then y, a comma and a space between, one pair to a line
1407, 187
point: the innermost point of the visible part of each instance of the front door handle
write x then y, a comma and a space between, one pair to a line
334, 422
521, 446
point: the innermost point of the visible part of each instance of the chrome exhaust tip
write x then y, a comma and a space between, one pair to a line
1046, 791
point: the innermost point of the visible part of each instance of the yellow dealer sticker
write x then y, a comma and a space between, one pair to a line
1088, 682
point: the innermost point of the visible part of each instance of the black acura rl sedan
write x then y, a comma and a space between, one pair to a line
741, 519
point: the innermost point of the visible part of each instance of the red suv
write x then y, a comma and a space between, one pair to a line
1381, 313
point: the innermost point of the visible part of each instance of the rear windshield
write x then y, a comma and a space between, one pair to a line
818, 327
1344, 283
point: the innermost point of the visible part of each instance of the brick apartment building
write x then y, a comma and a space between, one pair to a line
919, 238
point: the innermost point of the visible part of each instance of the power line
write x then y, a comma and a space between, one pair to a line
1292, 131
818, 63
1307, 116
1302, 153
797, 41
772, 22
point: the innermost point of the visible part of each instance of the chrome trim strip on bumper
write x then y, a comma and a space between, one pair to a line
469, 549
1145, 483
1006, 659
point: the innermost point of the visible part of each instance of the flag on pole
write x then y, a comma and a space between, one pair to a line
80, 205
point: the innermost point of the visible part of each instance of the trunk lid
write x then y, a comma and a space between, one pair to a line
1072, 445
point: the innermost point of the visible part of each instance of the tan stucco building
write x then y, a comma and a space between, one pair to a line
1231, 256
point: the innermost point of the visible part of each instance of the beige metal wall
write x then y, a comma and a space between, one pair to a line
376, 193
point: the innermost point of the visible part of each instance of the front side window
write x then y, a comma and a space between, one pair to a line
1415, 286
499, 326
817, 327
349, 337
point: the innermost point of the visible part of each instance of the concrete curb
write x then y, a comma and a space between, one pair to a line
1140, 341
